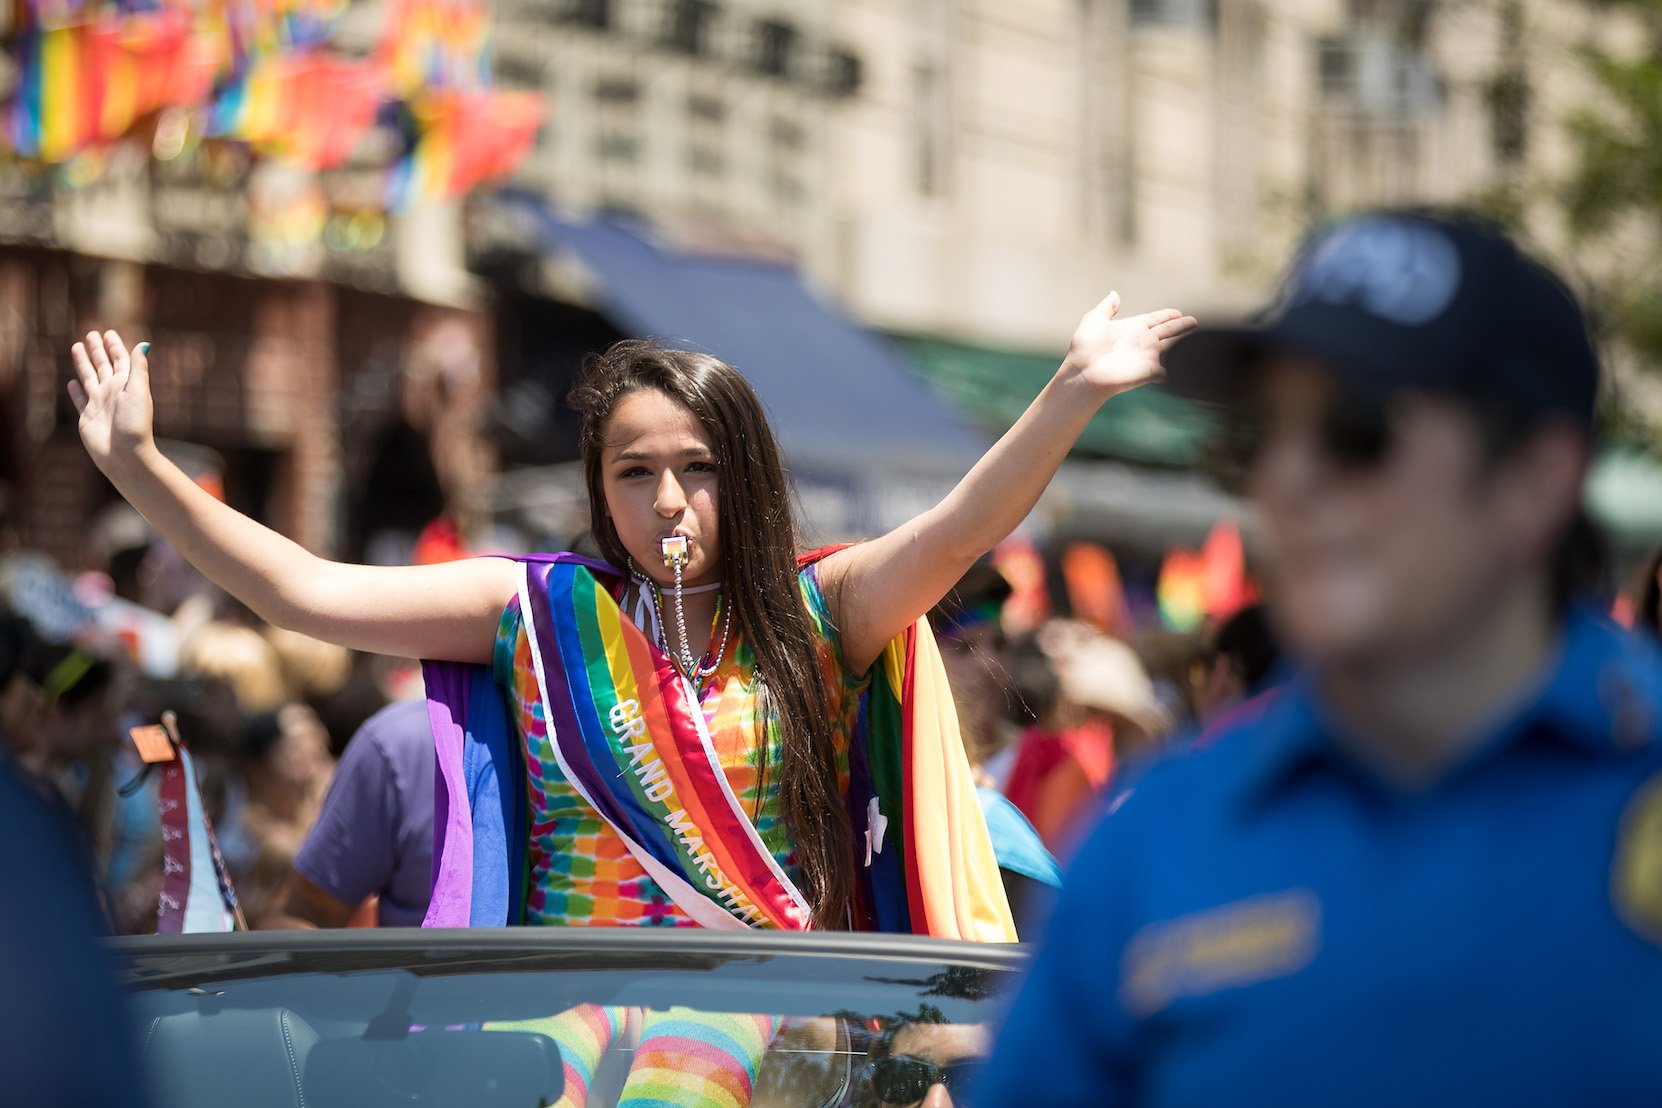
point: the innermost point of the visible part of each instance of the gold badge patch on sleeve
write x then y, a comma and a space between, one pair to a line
1636, 878
1242, 943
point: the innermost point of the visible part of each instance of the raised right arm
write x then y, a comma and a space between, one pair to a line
447, 611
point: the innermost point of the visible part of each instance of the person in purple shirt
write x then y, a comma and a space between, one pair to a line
374, 835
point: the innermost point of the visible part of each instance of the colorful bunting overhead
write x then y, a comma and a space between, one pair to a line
85, 84
308, 109
259, 72
436, 54
436, 44
464, 140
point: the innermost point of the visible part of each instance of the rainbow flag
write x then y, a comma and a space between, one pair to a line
631, 738
86, 83
435, 55
463, 139
1211, 582
308, 108
435, 45
929, 867
621, 714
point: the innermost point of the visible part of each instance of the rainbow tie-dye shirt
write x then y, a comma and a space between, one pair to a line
581, 874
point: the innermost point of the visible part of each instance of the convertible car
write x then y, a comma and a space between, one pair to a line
528, 1017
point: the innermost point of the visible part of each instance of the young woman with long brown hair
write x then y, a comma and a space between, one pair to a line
682, 714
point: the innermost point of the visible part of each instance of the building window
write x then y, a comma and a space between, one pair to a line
845, 74
616, 90
587, 13
787, 134
929, 123
688, 29
1509, 92
706, 161
1174, 13
617, 118
776, 45
706, 108
617, 147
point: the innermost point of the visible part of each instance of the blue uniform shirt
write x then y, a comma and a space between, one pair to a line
1264, 922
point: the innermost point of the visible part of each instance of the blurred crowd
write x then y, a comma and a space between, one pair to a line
1051, 711
89, 655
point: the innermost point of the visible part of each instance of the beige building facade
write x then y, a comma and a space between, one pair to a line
700, 115
1006, 163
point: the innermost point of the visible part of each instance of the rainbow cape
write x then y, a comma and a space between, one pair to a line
632, 740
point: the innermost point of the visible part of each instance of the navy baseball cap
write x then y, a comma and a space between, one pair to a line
1396, 301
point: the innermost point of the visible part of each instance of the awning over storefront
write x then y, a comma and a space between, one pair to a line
994, 386
867, 443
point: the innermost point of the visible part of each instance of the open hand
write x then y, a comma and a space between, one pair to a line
111, 391
1113, 354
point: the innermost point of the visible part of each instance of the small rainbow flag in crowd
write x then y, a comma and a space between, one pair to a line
1095, 591
1209, 582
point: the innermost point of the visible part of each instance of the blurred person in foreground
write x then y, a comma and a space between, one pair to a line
374, 836
65, 1036
1429, 869
21, 701
1647, 612
57, 988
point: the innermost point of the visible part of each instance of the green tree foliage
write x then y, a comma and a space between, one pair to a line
1614, 192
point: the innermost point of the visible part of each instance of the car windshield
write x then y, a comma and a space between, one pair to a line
580, 1017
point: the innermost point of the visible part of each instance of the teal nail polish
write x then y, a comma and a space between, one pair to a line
144, 348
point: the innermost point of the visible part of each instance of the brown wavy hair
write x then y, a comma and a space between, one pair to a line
757, 533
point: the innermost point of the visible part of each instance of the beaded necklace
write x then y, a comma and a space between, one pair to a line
701, 670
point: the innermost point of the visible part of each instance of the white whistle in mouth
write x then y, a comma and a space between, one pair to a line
674, 549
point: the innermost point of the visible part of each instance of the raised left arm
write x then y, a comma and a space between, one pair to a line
878, 588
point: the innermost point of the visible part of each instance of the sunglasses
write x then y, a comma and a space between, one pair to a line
904, 1079
1353, 434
